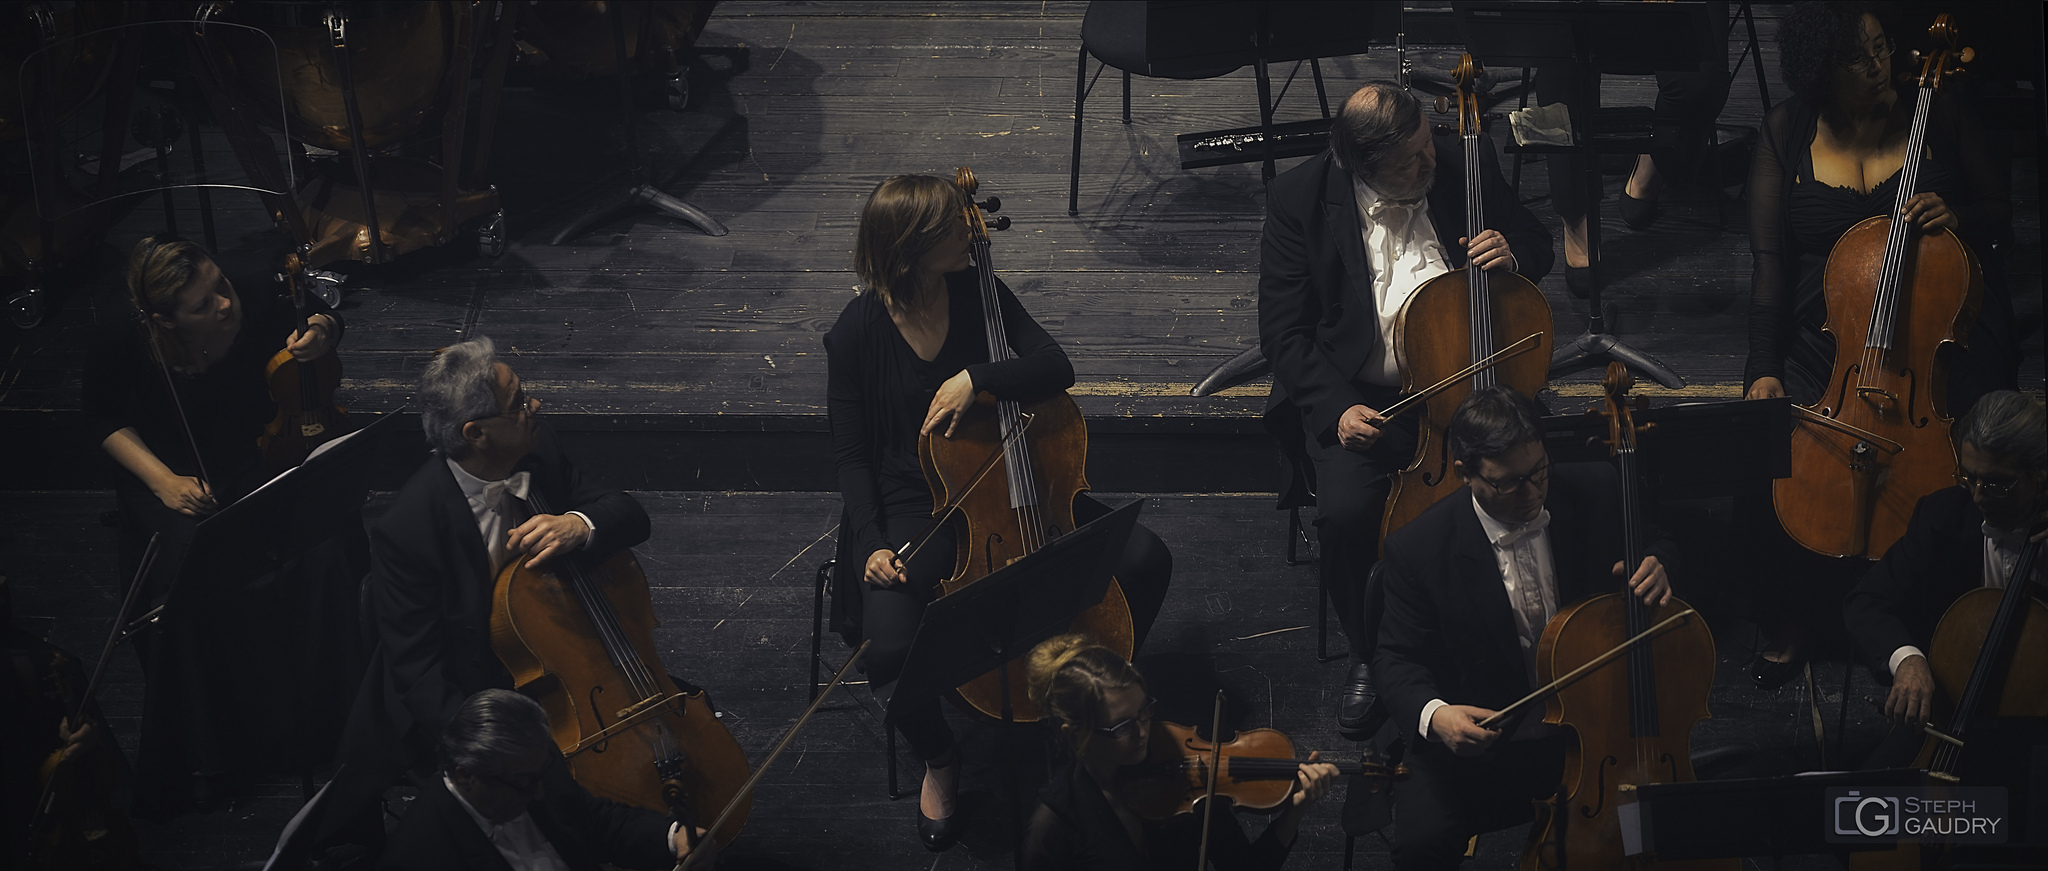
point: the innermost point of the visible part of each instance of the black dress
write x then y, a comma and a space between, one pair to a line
237, 681
1795, 222
877, 395
1076, 829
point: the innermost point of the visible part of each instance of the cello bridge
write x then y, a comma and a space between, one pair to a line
1866, 392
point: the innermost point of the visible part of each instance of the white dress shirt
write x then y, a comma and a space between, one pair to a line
1529, 572
2001, 555
522, 843
499, 507
1403, 251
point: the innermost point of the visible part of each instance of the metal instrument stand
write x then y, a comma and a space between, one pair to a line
639, 192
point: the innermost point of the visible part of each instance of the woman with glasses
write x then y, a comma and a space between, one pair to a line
177, 399
1959, 539
1098, 704
906, 358
1827, 159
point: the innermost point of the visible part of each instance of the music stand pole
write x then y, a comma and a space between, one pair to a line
638, 191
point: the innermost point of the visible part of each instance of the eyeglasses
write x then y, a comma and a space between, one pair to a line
522, 784
1538, 476
1864, 63
521, 405
1127, 728
1990, 488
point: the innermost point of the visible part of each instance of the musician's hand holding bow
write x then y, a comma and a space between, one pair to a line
1359, 428
185, 495
1911, 700
1650, 582
546, 535
884, 569
1489, 251
949, 405
1457, 727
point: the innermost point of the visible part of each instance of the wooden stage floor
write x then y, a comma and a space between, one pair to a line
647, 325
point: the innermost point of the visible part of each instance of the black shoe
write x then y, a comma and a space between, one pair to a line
1579, 281
1771, 675
1637, 214
940, 835
1359, 713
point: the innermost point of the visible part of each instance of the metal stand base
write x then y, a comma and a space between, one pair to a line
635, 197
1595, 347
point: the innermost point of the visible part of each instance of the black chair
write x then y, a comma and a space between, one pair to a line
1123, 35
819, 590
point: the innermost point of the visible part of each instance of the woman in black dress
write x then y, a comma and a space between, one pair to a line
1828, 159
907, 356
1098, 703
214, 342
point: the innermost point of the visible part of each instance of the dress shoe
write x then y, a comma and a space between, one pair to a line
1637, 214
1770, 675
1579, 281
1359, 712
940, 835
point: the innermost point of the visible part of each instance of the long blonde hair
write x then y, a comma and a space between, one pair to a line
1069, 676
906, 216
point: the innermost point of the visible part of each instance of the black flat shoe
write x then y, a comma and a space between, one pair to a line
1579, 281
1770, 675
938, 835
1359, 713
1637, 214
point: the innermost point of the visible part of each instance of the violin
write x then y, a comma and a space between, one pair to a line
303, 391
1900, 302
1634, 723
578, 637
1043, 469
1451, 323
1255, 770
1990, 653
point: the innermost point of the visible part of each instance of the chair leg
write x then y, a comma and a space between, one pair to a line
1315, 68
818, 622
1265, 114
1350, 844
1080, 99
1322, 617
1127, 98
895, 793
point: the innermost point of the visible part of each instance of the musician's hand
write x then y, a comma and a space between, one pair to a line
685, 846
1457, 726
1767, 387
73, 739
949, 405
315, 340
1929, 212
1312, 780
884, 569
187, 496
1911, 700
545, 535
1649, 582
1489, 251
1359, 428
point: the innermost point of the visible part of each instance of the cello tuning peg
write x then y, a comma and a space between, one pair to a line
1001, 223
1968, 54
1443, 104
992, 205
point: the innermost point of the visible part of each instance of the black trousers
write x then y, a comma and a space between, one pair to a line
1447, 799
1351, 490
1687, 104
889, 617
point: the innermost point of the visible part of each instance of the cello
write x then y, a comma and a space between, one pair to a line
1990, 653
304, 391
1454, 321
579, 638
1044, 469
1633, 724
1878, 438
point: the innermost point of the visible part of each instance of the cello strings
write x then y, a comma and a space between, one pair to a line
1478, 294
1024, 500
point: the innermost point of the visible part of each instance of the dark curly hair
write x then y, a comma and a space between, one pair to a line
1814, 38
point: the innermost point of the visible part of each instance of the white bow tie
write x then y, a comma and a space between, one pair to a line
1517, 533
515, 485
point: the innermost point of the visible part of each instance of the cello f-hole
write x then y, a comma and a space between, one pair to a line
597, 710
1671, 763
1442, 473
1599, 788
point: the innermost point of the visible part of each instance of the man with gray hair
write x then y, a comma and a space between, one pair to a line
1350, 235
1960, 539
504, 793
435, 556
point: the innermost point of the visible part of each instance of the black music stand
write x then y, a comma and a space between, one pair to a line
1761, 816
1620, 38
1698, 449
981, 627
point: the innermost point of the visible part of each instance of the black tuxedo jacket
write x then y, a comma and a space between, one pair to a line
1448, 631
1903, 596
430, 588
1317, 323
436, 834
